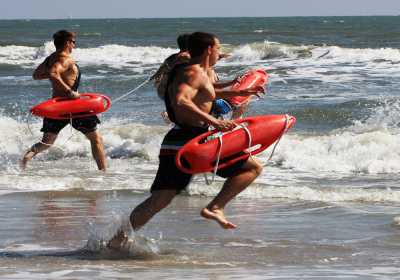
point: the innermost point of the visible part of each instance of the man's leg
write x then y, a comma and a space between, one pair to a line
97, 146
235, 184
151, 206
142, 214
169, 181
48, 139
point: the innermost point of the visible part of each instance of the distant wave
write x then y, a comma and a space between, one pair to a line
127, 56
285, 62
116, 56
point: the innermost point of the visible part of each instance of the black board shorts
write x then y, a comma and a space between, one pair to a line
84, 125
169, 176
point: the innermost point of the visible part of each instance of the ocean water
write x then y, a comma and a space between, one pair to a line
326, 205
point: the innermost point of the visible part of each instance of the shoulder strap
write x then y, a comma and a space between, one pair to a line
78, 79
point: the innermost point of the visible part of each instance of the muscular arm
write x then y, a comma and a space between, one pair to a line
188, 108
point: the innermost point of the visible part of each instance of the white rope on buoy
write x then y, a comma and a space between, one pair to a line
219, 153
243, 126
216, 164
280, 137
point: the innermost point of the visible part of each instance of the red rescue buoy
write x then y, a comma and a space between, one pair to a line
252, 136
250, 79
88, 104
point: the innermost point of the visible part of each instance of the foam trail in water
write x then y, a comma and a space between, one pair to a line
324, 194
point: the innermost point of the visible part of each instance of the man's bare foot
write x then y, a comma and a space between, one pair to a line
218, 216
118, 241
27, 157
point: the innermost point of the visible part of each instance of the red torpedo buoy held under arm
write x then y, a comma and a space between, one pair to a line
87, 104
201, 155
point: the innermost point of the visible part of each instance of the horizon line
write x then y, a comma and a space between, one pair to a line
195, 17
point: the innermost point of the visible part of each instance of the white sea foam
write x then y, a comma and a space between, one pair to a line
114, 56
326, 54
12, 136
353, 55
120, 140
330, 64
18, 55
339, 65
256, 52
274, 53
347, 152
130, 140
384, 117
365, 148
369, 146
119, 56
334, 194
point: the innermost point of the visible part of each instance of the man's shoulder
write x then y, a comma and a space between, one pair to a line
64, 60
193, 69
190, 72
194, 75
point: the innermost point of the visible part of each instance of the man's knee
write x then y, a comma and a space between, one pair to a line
258, 168
255, 167
46, 142
95, 138
151, 206
48, 139
161, 199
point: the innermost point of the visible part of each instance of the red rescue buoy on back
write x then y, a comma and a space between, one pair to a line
253, 136
250, 79
88, 104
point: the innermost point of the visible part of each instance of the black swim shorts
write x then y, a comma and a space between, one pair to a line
84, 125
169, 176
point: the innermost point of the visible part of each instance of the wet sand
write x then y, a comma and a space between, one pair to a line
44, 235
